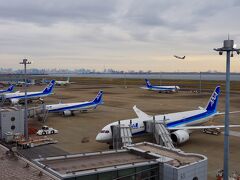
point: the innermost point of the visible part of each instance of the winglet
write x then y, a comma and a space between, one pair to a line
140, 113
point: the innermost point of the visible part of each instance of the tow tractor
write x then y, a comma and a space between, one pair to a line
46, 130
213, 131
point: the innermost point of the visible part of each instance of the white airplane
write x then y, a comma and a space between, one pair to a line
179, 124
69, 109
22, 83
63, 83
15, 97
9, 89
166, 89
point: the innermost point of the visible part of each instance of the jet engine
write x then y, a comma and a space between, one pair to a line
180, 136
67, 113
14, 101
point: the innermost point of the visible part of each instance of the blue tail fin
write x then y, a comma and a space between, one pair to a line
98, 99
213, 101
10, 88
49, 88
148, 83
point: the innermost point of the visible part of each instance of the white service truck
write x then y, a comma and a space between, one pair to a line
46, 130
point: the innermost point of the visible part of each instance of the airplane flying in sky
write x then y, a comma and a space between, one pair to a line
179, 124
178, 57
166, 89
15, 97
9, 89
69, 109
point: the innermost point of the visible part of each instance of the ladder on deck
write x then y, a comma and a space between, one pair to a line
122, 136
162, 136
126, 135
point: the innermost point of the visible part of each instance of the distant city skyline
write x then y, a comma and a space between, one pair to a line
121, 34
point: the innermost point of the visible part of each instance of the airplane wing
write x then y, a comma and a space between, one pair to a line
144, 87
158, 89
201, 127
223, 113
139, 113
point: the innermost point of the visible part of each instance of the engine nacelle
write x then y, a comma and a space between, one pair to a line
67, 113
14, 101
180, 136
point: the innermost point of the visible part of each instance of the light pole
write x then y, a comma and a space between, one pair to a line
228, 47
25, 62
200, 83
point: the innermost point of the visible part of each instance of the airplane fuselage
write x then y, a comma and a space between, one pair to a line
186, 118
20, 95
70, 106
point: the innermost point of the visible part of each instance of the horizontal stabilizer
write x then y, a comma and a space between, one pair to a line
201, 127
223, 113
201, 108
140, 114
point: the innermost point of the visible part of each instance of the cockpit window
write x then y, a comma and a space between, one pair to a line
104, 131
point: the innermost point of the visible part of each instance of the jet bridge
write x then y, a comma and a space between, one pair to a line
121, 135
162, 136
160, 133
39, 112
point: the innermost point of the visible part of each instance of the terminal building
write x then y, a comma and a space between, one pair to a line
135, 162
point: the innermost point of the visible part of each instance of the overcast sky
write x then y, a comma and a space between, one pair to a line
118, 34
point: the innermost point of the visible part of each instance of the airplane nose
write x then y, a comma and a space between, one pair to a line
98, 138
102, 138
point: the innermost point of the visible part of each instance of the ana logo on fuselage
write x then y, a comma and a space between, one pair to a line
49, 87
213, 98
134, 126
98, 96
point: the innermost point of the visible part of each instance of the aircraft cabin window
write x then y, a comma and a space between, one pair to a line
106, 131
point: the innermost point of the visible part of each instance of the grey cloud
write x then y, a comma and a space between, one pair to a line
113, 28
175, 14
53, 11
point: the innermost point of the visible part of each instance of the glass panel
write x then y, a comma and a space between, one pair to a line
107, 175
90, 177
126, 174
